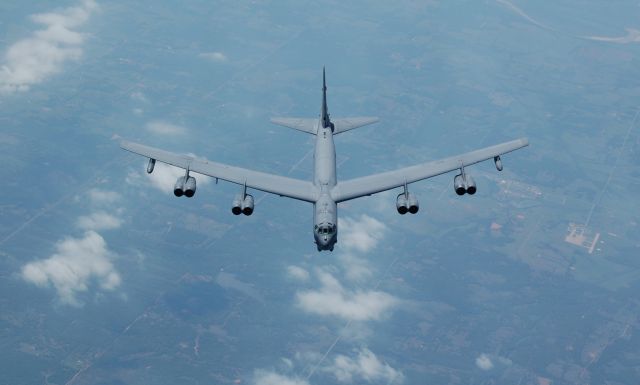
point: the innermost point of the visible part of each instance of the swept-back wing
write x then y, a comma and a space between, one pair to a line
376, 183
346, 124
275, 184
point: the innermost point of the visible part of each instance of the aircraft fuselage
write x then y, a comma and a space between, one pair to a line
325, 209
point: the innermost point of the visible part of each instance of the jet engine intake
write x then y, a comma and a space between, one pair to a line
401, 204
470, 185
247, 205
458, 185
190, 187
236, 206
178, 188
412, 203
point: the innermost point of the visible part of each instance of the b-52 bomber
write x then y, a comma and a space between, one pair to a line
325, 191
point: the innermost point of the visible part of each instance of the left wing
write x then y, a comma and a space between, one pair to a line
372, 184
275, 184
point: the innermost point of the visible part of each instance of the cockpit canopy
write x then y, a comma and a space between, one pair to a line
326, 228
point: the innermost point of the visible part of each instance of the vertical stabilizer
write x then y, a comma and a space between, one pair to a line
324, 113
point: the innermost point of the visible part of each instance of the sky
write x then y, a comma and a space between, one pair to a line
106, 277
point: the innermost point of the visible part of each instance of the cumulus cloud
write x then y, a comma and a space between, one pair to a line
361, 234
164, 176
365, 366
100, 197
484, 362
297, 273
70, 270
99, 220
264, 377
333, 299
31, 60
163, 128
356, 268
218, 57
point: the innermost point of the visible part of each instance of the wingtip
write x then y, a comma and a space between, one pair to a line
125, 144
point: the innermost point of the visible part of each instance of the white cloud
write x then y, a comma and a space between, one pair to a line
333, 299
31, 60
98, 196
99, 220
76, 262
361, 234
632, 36
164, 176
484, 362
218, 57
365, 366
297, 273
263, 377
356, 268
163, 128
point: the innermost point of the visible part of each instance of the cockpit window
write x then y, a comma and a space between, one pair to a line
326, 229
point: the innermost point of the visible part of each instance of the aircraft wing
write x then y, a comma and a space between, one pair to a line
372, 184
346, 124
275, 184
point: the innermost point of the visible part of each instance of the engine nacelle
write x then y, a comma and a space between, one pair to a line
247, 205
178, 188
498, 162
151, 165
470, 185
190, 187
236, 206
412, 203
401, 204
458, 185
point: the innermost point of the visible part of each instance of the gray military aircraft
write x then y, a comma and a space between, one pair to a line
324, 191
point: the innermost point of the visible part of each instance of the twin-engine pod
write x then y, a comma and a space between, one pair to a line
242, 205
407, 203
185, 186
464, 184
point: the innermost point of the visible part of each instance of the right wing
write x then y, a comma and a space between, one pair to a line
275, 184
372, 184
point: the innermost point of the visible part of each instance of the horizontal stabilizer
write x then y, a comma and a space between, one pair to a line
308, 125
346, 124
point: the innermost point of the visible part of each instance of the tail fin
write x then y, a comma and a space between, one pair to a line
337, 126
324, 113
